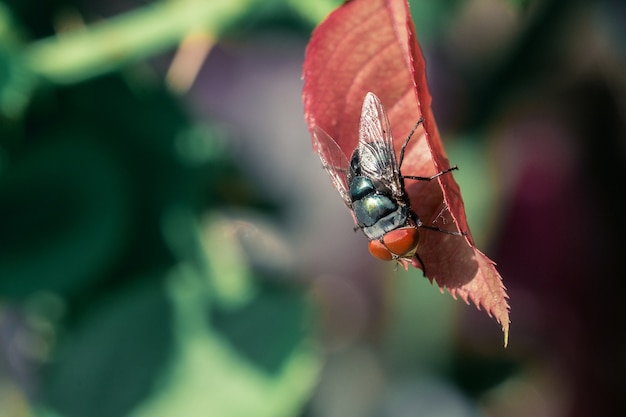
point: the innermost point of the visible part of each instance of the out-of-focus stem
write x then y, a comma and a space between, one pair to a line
102, 47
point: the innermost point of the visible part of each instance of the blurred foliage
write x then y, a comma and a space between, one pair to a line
136, 291
95, 172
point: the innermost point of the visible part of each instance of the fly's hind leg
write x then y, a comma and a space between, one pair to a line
448, 232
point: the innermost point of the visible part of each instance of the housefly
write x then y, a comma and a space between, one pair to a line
372, 186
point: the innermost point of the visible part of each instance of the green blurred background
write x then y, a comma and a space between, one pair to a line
169, 245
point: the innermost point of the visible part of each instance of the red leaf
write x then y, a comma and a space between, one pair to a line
370, 45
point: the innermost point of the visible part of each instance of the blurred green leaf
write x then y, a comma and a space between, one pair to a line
253, 360
478, 184
421, 321
111, 358
314, 11
276, 316
244, 348
96, 155
16, 84
432, 17
63, 216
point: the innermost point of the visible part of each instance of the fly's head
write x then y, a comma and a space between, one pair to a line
397, 244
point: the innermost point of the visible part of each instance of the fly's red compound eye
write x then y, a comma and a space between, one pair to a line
378, 250
397, 243
401, 242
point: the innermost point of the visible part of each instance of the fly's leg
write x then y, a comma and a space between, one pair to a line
406, 141
416, 256
419, 222
421, 225
403, 149
448, 232
413, 177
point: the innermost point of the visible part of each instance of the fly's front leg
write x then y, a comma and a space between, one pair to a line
403, 150
413, 177
406, 141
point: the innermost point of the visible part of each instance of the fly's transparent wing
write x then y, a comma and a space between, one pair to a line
376, 152
334, 162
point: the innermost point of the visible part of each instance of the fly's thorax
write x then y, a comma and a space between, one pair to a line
389, 180
361, 187
355, 164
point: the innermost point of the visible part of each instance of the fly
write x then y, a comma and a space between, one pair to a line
372, 185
